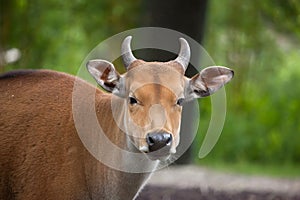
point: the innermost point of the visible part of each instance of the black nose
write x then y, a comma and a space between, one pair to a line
158, 141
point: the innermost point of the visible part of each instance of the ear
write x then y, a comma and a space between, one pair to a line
106, 75
208, 81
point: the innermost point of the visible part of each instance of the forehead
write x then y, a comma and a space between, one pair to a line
155, 73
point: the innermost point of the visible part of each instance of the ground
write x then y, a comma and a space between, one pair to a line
192, 182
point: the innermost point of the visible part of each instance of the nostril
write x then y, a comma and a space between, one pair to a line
169, 140
150, 140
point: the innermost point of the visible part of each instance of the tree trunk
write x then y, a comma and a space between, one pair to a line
187, 17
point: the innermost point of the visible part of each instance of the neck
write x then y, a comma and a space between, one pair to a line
131, 167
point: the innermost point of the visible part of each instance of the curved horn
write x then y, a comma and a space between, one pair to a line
126, 52
184, 53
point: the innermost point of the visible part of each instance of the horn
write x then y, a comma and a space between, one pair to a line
126, 52
184, 53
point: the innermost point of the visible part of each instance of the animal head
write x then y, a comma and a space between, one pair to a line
154, 93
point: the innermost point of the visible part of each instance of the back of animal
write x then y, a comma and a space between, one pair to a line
37, 137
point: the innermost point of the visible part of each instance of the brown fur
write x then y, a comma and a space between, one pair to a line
155, 83
41, 155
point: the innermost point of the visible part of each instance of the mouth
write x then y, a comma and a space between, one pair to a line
162, 154
158, 157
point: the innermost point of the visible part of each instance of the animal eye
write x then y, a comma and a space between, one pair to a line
132, 101
180, 101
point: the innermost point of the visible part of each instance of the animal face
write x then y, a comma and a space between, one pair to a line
153, 95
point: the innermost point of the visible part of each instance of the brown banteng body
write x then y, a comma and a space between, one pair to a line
41, 153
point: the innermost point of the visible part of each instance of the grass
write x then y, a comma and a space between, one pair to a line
242, 167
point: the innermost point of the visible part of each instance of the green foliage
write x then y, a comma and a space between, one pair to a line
258, 39
57, 34
283, 14
262, 124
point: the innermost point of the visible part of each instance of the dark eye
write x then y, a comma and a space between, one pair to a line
180, 101
132, 101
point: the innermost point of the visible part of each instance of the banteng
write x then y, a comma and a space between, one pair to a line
41, 153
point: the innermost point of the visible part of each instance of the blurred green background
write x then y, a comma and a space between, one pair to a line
260, 40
